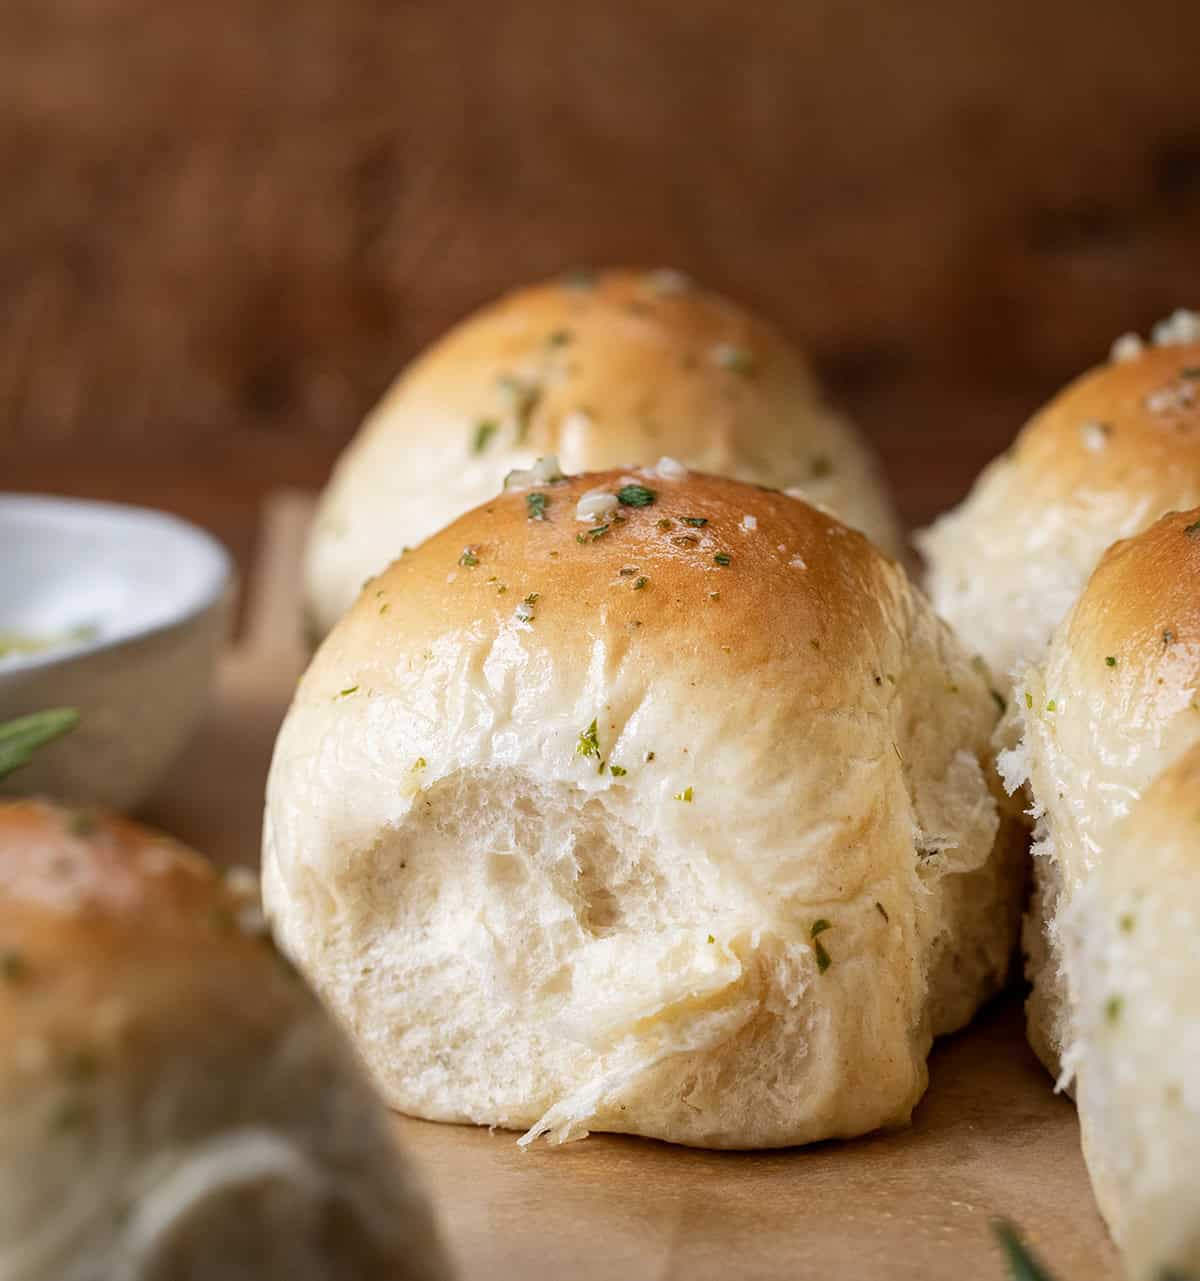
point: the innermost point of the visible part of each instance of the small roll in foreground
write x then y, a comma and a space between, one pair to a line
602, 370
647, 802
1111, 751
173, 1101
1103, 460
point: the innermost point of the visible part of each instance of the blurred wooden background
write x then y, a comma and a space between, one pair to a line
225, 225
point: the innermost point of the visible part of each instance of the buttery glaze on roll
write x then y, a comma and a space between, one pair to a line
648, 802
173, 1101
1111, 752
602, 370
1104, 459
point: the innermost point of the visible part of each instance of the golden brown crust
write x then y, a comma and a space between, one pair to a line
626, 352
1141, 607
628, 368
1118, 426
654, 579
109, 930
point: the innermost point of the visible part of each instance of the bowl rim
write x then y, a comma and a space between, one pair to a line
214, 578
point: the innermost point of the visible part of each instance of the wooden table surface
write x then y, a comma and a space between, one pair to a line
226, 226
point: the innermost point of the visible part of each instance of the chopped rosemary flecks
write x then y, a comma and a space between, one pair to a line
345, 693
589, 741
711, 939
685, 795
82, 823
484, 431
21, 737
468, 559
1052, 705
579, 278
596, 532
722, 558
535, 505
525, 399
663, 523
617, 771
737, 359
635, 496
1028, 700
879, 907
627, 571
525, 608
1022, 1266
640, 582
1110, 661
696, 522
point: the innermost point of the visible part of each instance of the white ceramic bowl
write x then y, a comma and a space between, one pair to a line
133, 606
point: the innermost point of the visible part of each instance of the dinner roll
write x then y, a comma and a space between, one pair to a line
647, 802
605, 370
173, 1101
1104, 459
1111, 750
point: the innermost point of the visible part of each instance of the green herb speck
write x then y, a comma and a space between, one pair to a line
419, 764
1022, 1266
484, 431
468, 559
597, 531
579, 278
819, 927
640, 582
722, 558
823, 958
1052, 705
1112, 1008
345, 693
737, 359
1193, 528
1028, 700
696, 522
635, 496
535, 505
617, 771
1110, 661
685, 795
589, 741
